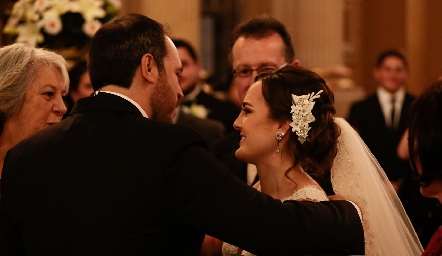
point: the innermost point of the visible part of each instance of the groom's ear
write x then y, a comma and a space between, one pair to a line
149, 68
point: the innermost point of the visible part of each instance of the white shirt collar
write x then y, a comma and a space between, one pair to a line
192, 95
385, 101
128, 99
385, 96
175, 118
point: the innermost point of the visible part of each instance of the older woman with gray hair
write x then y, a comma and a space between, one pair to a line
32, 83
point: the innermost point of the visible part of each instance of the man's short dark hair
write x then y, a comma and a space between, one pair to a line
185, 44
262, 26
391, 53
118, 46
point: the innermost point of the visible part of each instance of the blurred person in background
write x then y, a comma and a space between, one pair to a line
80, 85
381, 118
425, 150
197, 101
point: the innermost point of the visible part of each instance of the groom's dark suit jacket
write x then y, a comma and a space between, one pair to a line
107, 181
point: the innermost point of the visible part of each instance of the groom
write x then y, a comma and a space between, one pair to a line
110, 179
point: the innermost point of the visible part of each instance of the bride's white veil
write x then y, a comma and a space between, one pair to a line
357, 176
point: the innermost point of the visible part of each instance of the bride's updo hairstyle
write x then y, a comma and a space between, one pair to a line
317, 153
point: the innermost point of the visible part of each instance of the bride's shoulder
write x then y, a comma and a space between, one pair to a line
308, 193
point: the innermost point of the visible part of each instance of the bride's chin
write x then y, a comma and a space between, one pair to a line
241, 156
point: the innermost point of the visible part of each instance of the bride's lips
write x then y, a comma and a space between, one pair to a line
242, 139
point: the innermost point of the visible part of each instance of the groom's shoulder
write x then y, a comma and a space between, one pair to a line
227, 142
173, 133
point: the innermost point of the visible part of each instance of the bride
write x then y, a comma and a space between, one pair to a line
288, 130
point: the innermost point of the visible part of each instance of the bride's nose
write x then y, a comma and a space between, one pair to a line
237, 123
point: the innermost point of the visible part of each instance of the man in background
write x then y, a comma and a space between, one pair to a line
260, 44
382, 117
190, 113
197, 101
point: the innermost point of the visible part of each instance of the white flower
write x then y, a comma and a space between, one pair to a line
91, 26
42, 5
12, 22
52, 22
302, 114
31, 15
29, 33
20, 9
91, 9
29, 18
196, 110
62, 6
199, 111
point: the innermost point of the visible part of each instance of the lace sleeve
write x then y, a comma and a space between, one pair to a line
358, 177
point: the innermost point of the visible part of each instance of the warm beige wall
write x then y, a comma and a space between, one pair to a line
432, 64
183, 17
249, 8
383, 27
416, 30
317, 30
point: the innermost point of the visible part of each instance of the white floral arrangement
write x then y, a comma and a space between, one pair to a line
302, 114
58, 23
199, 111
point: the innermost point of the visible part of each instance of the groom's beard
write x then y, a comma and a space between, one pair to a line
163, 101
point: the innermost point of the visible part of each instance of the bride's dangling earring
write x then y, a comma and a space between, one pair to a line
278, 139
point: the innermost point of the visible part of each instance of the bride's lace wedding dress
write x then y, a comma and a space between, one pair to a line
309, 192
357, 176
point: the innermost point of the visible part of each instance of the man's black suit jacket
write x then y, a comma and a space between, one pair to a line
367, 118
107, 181
222, 110
210, 129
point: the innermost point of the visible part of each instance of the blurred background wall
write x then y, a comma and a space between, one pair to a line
339, 39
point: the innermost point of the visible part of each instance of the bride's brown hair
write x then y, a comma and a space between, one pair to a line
316, 155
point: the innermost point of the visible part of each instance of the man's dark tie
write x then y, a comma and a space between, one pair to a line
392, 112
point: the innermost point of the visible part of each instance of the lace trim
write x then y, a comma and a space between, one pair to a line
345, 164
309, 193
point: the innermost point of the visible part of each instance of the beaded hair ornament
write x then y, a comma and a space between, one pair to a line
302, 114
